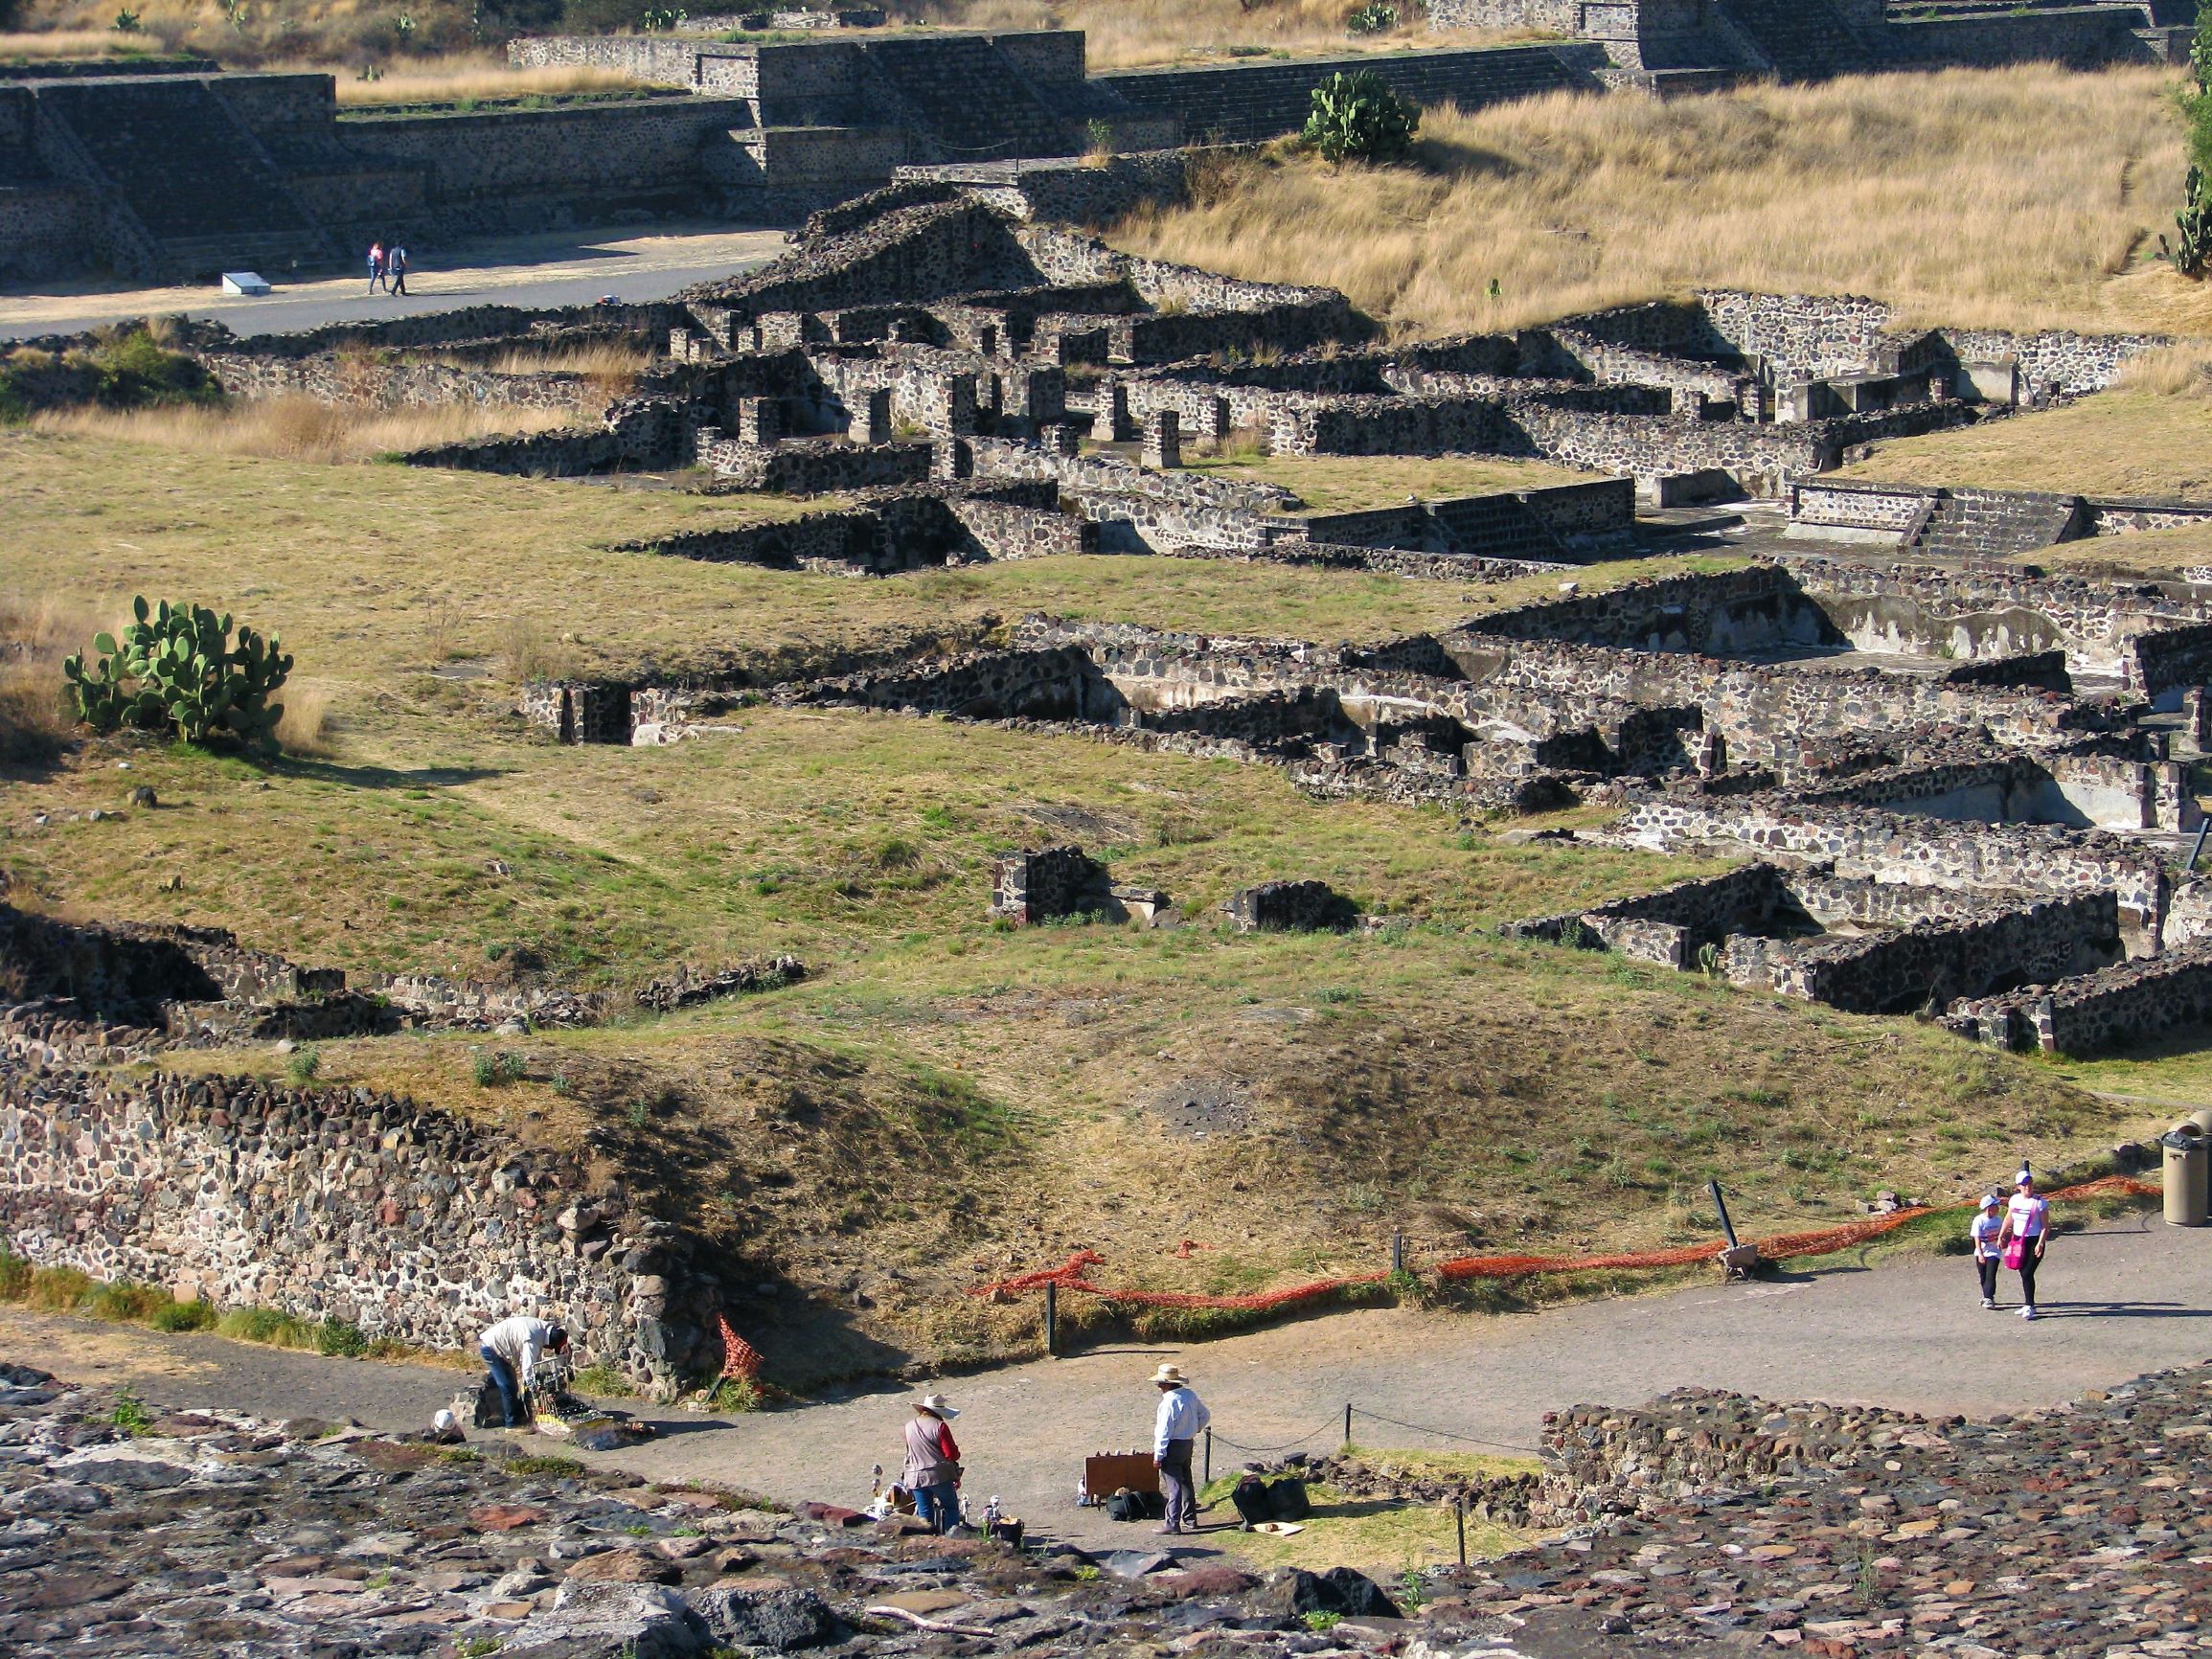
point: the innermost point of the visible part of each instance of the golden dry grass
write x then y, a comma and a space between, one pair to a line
300, 428
2018, 197
17, 44
2152, 436
35, 635
1137, 34
451, 79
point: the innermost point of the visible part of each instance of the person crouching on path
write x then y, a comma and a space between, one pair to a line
933, 1463
511, 1351
1181, 1419
1983, 1231
2026, 1229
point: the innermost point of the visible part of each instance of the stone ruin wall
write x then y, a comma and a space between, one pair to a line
2119, 1008
340, 1204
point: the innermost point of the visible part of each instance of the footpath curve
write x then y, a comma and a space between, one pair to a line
2126, 1297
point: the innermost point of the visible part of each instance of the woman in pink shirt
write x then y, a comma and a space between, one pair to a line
2026, 1229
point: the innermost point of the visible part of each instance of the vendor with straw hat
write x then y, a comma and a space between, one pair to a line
933, 1463
1181, 1419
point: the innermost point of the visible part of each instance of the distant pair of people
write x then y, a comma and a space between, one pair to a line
933, 1471
2011, 1233
387, 268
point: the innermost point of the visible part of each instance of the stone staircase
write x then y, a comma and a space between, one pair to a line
1798, 39
171, 152
1246, 103
970, 102
1994, 524
1496, 527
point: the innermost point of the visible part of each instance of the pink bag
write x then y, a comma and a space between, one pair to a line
2015, 1252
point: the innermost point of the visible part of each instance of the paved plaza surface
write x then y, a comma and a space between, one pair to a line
566, 269
2129, 1297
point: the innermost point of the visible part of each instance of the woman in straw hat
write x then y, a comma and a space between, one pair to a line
933, 1463
1181, 1419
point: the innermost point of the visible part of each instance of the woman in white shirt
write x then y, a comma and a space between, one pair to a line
2028, 1222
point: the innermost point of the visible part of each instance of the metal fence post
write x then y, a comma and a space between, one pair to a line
1051, 1319
1347, 1426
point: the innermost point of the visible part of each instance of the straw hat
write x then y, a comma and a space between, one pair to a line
937, 1405
1169, 1377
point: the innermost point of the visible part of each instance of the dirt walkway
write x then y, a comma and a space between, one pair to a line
2131, 1297
565, 269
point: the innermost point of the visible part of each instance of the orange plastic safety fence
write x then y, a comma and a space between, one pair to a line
1069, 1275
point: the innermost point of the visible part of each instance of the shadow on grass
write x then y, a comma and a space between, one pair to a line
384, 777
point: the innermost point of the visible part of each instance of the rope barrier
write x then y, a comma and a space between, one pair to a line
1446, 1433
1072, 1274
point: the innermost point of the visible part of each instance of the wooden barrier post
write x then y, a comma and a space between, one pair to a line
1459, 1509
1397, 1252
1051, 1319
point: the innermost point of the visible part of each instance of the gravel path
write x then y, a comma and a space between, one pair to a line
2131, 1297
537, 270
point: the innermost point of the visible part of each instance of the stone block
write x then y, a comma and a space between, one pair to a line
1163, 440
759, 420
1290, 907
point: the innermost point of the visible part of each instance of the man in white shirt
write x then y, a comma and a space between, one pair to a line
510, 1352
1181, 1419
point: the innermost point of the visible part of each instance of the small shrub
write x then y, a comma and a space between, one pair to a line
303, 1066
130, 1414
734, 1393
124, 1302
1376, 17
544, 1466
177, 1316
341, 1339
265, 1324
1320, 1620
499, 1067
57, 1289
898, 854
1357, 116
14, 1277
601, 1381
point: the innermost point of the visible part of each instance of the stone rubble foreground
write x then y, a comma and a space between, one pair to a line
1703, 1522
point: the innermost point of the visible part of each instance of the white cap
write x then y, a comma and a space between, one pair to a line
1991, 1200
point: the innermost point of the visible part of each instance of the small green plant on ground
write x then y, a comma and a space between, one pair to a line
545, 1466
181, 1316
265, 1324
1320, 1620
599, 1381
125, 1303
176, 668
303, 1065
130, 1414
1355, 117
341, 1339
479, 1647
734, 1393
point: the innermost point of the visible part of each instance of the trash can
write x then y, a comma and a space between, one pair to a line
2185, 1165
2202, 1118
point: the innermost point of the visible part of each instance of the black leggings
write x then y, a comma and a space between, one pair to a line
2028, 1266
1986, 1267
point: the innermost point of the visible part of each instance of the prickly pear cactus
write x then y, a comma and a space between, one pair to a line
174, 667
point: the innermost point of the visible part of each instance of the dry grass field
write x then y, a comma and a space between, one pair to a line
467, 77
1431, 1078
1147, 33
2151, 435
301, 428
2016, 197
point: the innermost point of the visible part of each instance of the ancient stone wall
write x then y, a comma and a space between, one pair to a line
1032, 887
2118, 1009
1863, 842
1722, 614
358, 378
340, 1204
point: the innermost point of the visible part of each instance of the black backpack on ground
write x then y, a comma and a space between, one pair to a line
1252, 1501
490, 1412
1127, 1506
1286, 1499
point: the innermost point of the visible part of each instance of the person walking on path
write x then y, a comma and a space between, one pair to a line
376, 268
395, 267
1182, 1417
1983, 1230
2027, 1228
511, 1351
933, 1463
